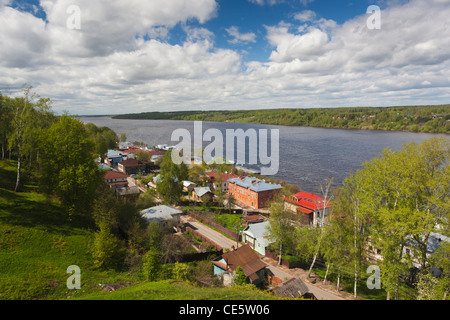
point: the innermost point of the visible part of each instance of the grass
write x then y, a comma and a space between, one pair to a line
174, 290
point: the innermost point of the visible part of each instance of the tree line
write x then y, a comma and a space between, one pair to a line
392, 207
433, 119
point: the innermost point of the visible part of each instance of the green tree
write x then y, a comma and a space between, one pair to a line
6, 114
152, 266
281, 228
170, 186
240, 278
22, 122
404, 195
67, 166
107, 249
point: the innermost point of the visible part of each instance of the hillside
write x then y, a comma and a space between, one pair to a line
432, 119
37, 245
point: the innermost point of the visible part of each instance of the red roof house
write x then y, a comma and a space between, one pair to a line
308, 206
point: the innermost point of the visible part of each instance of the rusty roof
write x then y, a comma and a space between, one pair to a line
246, 258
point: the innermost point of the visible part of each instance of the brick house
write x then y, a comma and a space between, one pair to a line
131, 166
215, 176
252, 192
309, 206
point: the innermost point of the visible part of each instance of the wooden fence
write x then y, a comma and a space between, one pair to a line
215, 225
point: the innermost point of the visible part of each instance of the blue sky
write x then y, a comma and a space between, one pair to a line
135, 55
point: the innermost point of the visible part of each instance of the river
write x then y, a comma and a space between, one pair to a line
307, 156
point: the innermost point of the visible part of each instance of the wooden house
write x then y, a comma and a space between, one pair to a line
254, 268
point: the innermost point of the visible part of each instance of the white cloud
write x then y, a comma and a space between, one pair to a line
108, 67
238, 37
304, 16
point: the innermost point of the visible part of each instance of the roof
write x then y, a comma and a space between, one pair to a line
291, 288
160, 213
201, 191
309, 201
254, 184
114, 175
103, 166
253, 217
187, 183
114, 154
246, 258
259, 231
131, 163
213, 174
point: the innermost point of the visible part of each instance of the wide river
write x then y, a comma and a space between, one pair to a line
306, 155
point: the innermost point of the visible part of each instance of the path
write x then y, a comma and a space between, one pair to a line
217, 237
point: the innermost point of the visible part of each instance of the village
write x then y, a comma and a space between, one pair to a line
243, 242
246, 197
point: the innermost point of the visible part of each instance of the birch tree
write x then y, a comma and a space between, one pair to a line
280, 229
22, 120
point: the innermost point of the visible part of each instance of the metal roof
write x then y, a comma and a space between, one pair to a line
201, 191
254, 184
160, 213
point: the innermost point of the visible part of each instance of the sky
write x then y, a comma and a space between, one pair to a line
114, 56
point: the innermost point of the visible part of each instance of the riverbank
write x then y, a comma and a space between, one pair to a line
426, 119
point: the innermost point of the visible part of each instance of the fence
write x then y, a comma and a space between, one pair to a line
215, 225
291, 264
205, 239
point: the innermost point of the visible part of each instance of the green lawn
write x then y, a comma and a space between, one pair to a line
173, 290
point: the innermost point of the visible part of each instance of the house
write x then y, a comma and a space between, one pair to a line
155, 180
252, 192
131, 166
293, 288
155, 155
113, 157
215, 176
255, 235
309, 206
164, 215
116, 179
202, 194
129, 193
254, 268
188, 186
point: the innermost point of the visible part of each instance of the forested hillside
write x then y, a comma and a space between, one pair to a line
433, 119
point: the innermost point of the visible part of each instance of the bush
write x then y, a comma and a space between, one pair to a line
151, 267
107, 249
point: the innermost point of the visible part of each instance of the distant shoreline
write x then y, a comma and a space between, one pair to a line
414, 119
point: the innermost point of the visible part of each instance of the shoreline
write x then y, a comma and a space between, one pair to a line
268, 124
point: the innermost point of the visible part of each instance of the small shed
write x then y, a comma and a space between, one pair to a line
203, 194
188, 186
293, 288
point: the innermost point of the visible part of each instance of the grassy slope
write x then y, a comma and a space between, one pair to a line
37, 245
